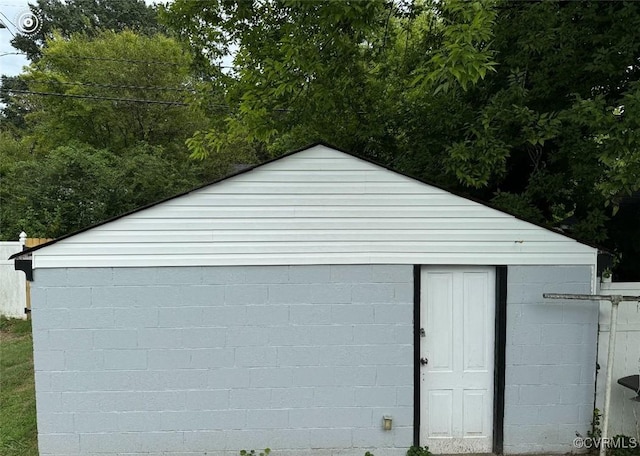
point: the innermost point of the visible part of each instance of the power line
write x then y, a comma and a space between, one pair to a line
110, 86
93, 97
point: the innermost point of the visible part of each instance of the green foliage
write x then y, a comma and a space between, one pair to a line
265, 452
17, 391
625, 446
418, 451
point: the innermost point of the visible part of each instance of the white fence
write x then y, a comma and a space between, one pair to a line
12, 283
625, 414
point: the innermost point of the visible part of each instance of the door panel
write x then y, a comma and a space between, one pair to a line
457, 314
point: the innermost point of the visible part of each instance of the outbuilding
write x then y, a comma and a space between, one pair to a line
317, 304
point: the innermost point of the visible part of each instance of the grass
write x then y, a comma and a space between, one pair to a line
18, 435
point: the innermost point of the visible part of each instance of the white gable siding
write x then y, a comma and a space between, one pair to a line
319, 206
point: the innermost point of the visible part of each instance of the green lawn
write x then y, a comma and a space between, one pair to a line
18, 436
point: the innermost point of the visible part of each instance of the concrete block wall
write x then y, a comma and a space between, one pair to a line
186, 361
550, 359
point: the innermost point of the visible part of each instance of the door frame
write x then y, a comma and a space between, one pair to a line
499, 355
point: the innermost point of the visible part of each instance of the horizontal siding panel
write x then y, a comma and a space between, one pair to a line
364, 234
98, 261
261, 199
335, 246
186, 224
274, 211
319, 206
317, 188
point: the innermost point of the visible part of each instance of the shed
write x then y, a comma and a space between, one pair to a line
298, 303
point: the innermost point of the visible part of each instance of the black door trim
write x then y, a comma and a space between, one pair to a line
499, 359
416, 353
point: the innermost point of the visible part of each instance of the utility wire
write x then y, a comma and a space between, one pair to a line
110, 86
93, 97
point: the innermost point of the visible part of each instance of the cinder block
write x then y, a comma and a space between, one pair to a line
316, 314
334, 396
216, 275
523, 374
132, 442
521, 414
115, 338
169, 359
373, 292
68, 339
380, 355
267, 419
223, 316
89, 277
204, 337
330, 438
59, 443
49, 402
50, 278
314, 376
560, 375
160, 338
545, 274
205, 441
207, 400
403, 293
525, 334
352, 314
181, 317
295, 397
135, 317
266, 274
178, 275
299, 356
364, 334
394, 375
69, 298
249, 399
91, 318
96, 422
393, 313
228, 378
48, 360
135, 421
334, 417
291, 335
256, 357
404, 396
44, 318
310, 274
360, 273
134, 296
84, 359
378, 396
160, 296
201, 295
55, 423
562, 334
267, 315
355, 375
539, 395
134, 276
580, 312
276, 377
331, 334
392, 273
245, 294
192, 420
211, 358
125, 359
372, 437
559, 414
541, 313
540, 354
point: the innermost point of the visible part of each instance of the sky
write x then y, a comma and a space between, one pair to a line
15, 14
10, 12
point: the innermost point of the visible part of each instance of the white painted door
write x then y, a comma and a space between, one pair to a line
457, 314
